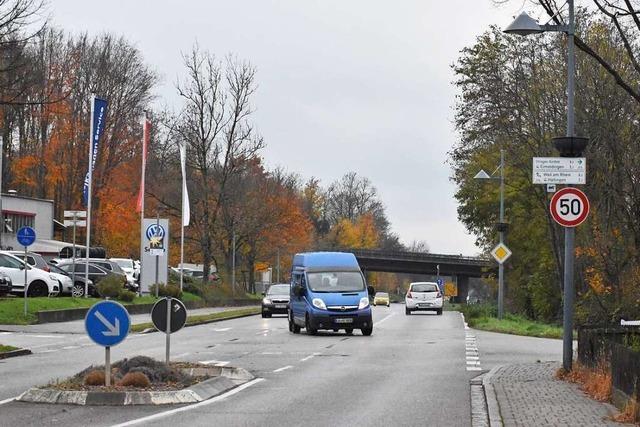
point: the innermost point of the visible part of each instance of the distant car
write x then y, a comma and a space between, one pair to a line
276, 300
40, 283
423, 296
33, 259
78, 282
128, 266
114, 268
381, 298
96, 274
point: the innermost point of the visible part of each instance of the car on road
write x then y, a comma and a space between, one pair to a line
381, 298
329, 291
276, 300
78, 282
423, 296
39, 282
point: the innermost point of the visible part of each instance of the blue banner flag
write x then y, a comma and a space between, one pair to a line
99, 115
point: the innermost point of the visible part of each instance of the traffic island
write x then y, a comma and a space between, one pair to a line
141, 381
7, 351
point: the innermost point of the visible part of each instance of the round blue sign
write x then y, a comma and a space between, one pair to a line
26, 236
107, 323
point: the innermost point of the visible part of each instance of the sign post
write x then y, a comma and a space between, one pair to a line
168, 315
26, 236
107, 323
76, 222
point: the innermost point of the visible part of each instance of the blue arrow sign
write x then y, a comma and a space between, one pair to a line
107, 323
441, 284
26, 236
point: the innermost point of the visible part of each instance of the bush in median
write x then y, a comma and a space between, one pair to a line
165, 290
126, 295
110, 286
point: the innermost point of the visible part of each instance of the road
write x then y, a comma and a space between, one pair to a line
413, 370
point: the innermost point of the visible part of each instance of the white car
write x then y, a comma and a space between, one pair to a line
423, 296
40, 283
128, 266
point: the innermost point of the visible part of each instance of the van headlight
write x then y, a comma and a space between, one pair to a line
318, 303
364, 303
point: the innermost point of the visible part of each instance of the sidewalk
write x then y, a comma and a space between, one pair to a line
77, 326
529, 395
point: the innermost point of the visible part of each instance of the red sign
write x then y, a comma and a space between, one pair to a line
569, 207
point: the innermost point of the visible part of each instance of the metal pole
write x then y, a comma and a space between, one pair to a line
107, 366
1, 213
26, 282
168, 330
233, 263
90, 183
73, 270
501, 265
278, 269
569, 232
142, 190
157, 256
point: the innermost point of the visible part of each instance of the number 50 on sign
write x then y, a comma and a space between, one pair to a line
569, 207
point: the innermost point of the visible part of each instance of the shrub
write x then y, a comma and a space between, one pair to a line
126, 295
94, 377
166, 290
135, 379
110, 286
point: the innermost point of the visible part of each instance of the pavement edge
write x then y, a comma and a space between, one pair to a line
15, 353
493, 407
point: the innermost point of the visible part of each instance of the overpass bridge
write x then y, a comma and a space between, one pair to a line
457, 266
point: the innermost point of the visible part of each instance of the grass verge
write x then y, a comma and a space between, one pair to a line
12, 309
7, 348
205, 318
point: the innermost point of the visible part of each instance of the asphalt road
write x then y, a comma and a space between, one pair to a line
413, 370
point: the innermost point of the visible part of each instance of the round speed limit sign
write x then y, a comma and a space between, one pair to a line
569, 207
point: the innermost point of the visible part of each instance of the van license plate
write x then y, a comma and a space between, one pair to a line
344, 320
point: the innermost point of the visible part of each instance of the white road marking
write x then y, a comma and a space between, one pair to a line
190, 407
48, 351
284, 368
383, 319
221, 329
471, 348
272, 353
6, 333
214, 362
304, 359
70, 347
46, 336
11, 399
474, 368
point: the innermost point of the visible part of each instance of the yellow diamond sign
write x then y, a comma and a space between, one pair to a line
501, 253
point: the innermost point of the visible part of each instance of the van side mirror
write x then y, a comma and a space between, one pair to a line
298, 290
371, 290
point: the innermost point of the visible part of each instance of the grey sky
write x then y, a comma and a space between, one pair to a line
344, 85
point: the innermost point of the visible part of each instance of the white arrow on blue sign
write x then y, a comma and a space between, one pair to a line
107, 323
26, 236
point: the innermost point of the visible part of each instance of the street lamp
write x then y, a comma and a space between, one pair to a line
569, 146
501, 226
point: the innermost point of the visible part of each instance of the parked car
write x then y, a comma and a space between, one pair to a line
112, 267
127, 265
5, 284
329, 292
39, 282
78, 282
381, 298
33, 259
423, 296
276, 300
96, 274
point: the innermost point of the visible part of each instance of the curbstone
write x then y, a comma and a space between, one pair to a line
493, 407
228, 378
15, 353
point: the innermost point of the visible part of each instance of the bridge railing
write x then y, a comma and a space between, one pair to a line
420, 256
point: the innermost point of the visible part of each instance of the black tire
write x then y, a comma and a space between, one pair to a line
335, 329
292, 326
389, 305
38, 289
310, 330
78, 290
264, 315
407, 311
439, 312
374, 304
349, 331
367, 331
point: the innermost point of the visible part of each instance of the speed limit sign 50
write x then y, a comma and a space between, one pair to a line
569, 207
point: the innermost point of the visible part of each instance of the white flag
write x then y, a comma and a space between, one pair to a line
186, 211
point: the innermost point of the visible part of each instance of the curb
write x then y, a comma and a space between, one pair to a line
15, 353
187, 325
493, 407
227, 379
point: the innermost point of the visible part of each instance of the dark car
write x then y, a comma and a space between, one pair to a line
79, 282
5, 285
114, 268
33, 259
96, 273
276, 300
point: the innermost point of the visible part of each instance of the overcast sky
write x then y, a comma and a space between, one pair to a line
344, 85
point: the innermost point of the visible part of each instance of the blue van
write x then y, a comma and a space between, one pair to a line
328, 291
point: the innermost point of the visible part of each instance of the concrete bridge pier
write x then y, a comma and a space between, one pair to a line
463, 289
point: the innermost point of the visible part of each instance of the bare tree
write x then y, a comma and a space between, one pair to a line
215, 127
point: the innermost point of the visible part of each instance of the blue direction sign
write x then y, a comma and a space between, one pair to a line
107, 323
26, 236
441, 284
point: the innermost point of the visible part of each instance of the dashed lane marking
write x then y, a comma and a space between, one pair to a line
383, 319
304, 359
472, 355
190, 407
221, 329
284, 368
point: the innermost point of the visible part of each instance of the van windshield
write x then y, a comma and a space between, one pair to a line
343, 281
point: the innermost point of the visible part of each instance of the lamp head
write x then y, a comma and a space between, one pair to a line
482, 175
524, 25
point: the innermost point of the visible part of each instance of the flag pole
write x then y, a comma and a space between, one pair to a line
142, 190
183, 160
89, 185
